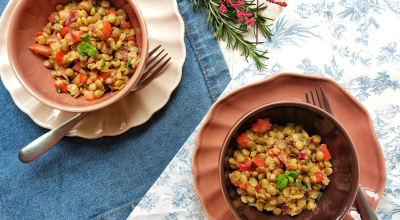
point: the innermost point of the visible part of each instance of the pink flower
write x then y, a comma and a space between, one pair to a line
240, 3
250, 22
223, 9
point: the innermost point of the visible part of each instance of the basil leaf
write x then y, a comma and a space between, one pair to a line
281, 183
290, 179
294, 174
287, 173
280, 177
83, 36
297, 185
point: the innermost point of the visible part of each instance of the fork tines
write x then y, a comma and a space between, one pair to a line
327, 106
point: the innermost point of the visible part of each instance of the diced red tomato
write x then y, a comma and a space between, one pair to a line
77, 80
131, 38
62, 86
244, 167
288, 169
319, 166
257, 187
271, 153
54, 43
319, 176
77, 67
83, 78
106, 30
237, 183
242, 140
89, 95
283, 157
253, 168
39, 34
111, 86
302, 153
104, 76
259, 162
123, 56
45, 50
125, 24
111, 12
59, 56
64, 31
76, 34
64, 13
70, 19
324, 149
243, 186
261, 125
51, 18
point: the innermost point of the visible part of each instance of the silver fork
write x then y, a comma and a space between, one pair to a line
48, 140
365, 209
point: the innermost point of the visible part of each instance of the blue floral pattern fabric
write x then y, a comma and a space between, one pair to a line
353, 42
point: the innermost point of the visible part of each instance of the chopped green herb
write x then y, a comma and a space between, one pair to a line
310, 174
252, 204
281, 130
85, 47
277, 194
308, 191
97, 9
58, 89
129, 64
297, 185
304, 184
308, 160
300, 131
259, 182
292, 155
102, 64
290, 179
253, 148
319, 196
115, 60
316, 185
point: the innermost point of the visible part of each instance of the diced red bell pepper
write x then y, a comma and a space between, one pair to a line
324, 149
111, 86
283, 157
319, 166
45, 50
244, 167
237, 183
77, 67
242, 140
271, 153
259, 162
125, 24
39, 34
83, 78
59, 56
51, 18
131, 38
319, 176
103, 77
64, 13
257, 187
62, 86
111, 12
64, 31
106, 30
261, 125
89, 95
243, 186
70, 19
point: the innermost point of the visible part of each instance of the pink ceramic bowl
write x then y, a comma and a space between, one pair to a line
29, 18
337, 197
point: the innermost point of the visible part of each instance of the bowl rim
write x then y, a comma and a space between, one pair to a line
133, 81
248, 115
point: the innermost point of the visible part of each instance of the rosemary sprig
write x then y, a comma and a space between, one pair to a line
230, 28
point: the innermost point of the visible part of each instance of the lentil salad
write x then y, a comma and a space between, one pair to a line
90, 47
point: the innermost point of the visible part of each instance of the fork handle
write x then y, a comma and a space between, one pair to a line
365, 209
46, 141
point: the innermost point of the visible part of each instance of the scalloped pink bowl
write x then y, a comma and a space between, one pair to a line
29, 18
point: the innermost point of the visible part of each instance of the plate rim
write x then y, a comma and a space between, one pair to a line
179, 63
280, 74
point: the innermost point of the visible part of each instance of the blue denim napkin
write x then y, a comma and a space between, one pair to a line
104, 178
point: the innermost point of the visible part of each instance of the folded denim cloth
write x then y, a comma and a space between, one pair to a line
353, 42
87, 179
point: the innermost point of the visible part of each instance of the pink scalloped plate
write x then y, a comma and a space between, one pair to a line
283, 87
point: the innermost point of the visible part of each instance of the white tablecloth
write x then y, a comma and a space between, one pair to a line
353, 42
